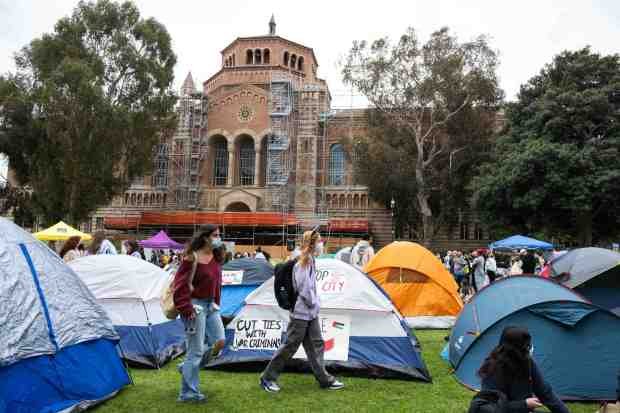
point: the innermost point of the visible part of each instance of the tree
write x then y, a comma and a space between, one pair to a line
80, 117
434, 99
557, 169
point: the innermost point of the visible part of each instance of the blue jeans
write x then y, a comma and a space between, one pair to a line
208, 328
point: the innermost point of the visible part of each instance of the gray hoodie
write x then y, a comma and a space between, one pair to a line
307, 305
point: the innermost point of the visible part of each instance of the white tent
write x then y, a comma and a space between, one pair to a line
363, 331
129, 289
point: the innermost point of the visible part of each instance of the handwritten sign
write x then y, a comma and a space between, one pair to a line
257, 334
230, 277
335, 330
330, 282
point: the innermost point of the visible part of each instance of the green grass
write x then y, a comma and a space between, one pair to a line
156, 391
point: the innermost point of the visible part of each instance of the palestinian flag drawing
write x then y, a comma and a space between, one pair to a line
338, 325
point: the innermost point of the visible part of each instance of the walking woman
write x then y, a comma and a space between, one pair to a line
133, 249
303, 327
198, 301
69, 250
511, 370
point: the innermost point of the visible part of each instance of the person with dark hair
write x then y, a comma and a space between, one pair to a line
69, 250
303, 327
362, 252
100, 245
511, 370
198, 302
133, 249
529, 262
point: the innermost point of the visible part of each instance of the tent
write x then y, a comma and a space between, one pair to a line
161, 240
364, 333
129, 289
422, 289
593, 273
517, 242
239, 278
61, 232
57, 346
575, 343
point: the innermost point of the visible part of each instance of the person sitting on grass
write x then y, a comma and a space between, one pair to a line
511, 370
304, 326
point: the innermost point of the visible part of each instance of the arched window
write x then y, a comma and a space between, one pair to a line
300, 63
293, 61
126, 198
152, 199
266, 56
336, 165
233, 60
249, 57
356, 202
285, 60
139, 199
257, 57
342, 202
220, 166
247, 158
164, 200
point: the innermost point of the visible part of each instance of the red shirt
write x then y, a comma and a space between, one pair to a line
207, 284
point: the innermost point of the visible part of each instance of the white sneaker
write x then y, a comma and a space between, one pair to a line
335, 385
269, 386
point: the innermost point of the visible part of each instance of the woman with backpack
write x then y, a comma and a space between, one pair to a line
197, 291
303, 327
511, 374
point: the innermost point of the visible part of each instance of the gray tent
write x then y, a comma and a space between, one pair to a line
592, 272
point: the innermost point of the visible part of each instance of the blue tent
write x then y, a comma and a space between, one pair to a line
593, 273
517, 242
575, 342
57, 346
239, 278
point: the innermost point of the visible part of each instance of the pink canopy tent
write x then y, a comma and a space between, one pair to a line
161, 241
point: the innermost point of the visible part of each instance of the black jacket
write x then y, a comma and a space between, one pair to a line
523, 389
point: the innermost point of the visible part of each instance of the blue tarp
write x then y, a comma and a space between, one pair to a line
255, 273
517, 242
152, 346
575, 343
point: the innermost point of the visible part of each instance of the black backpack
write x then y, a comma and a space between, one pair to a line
283, 285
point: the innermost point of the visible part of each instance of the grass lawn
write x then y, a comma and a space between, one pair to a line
156, 391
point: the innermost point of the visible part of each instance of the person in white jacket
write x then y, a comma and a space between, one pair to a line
490, 265
362, 252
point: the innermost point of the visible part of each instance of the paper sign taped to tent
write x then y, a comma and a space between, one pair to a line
335, 330
330, 281
257, 334
230, 277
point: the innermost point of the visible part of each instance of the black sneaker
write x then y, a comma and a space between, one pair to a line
269, 386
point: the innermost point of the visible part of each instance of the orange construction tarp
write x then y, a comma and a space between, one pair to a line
416, 280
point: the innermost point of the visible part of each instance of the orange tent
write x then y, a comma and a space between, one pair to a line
417, 282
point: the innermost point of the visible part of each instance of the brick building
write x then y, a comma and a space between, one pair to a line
258, 151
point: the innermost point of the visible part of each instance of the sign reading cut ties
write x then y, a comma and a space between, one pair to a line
335, 330
257, 334
230, 277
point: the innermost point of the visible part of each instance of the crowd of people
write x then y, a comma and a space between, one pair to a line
480, 267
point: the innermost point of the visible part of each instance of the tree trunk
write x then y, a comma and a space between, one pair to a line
584, 227
425, 208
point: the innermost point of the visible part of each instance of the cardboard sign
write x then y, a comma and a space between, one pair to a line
335, 330
232, 277
330, 282
257, 334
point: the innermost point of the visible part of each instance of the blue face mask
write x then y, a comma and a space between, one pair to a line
216, 243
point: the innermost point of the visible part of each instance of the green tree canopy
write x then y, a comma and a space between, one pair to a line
80, 117
557, 169
434, 105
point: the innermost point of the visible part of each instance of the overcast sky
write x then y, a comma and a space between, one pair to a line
527, 33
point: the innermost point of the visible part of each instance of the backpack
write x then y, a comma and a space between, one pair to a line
361, 252
283, 285
167, 296
489, 401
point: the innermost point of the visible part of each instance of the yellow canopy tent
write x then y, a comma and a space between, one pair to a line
421, 288
60, 232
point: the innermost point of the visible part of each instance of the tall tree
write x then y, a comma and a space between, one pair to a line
557, 169
428, 94
86, 106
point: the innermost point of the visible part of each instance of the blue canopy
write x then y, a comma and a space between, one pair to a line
517, 242
557, 318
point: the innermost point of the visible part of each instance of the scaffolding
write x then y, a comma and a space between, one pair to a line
188, 149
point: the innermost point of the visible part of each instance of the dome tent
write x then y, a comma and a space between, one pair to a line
239, 278
593, 273
364, 333
574, 342
57, 347
422, 289
129, 289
